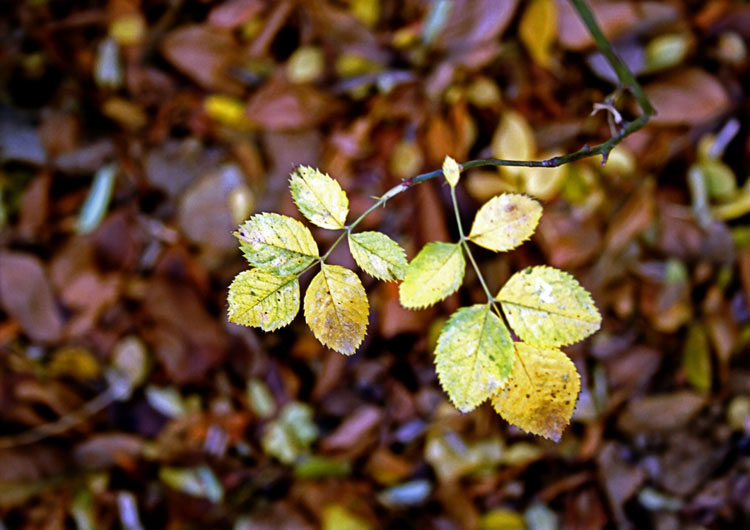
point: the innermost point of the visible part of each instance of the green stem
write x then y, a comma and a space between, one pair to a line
467, 249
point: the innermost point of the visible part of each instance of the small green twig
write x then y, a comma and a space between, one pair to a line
466, 248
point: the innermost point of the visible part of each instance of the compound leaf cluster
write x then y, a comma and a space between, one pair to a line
531, 383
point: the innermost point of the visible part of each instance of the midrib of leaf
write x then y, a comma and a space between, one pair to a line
296, 239
291, 279
550, 311
330, 294
375, 253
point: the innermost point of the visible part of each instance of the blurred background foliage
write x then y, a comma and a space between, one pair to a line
136, 134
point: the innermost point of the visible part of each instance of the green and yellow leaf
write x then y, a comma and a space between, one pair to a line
277, 243
264, 300
474, 356
319, 197
548, 307
336, 308
451, 171
505, 221
378, 255
540, 395
435, 272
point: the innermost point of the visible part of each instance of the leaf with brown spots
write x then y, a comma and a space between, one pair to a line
540, 395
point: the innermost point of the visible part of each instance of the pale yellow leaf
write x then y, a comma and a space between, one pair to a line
451, 171
434, 273
378, 255
513, 140
505, 221
541, 393
548, 307
538, 30
262, 299
336, 308
319, 197
474, 356
277, 243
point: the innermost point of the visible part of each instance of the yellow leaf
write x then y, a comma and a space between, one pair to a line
336, 308
277, 243
433, 274
505, 221
474, 356
337, 517
540, 395
319, 197
538, 30
378, 255
548, 307
513, 140
451, 171
262, 299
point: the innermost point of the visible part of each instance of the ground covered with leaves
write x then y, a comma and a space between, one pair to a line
136, 135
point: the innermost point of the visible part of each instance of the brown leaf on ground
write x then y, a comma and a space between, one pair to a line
25, 294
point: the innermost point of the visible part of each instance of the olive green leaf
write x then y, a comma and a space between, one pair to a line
505, 221
451, 171
548, 307
434, 273
540, 395
378, 255
474, 356
336, 308
262, 299
277, 243
319, 197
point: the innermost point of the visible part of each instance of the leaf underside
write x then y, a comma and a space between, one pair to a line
548, 307
378, 255
451, 171
505, 221
261, 299
435, 272
319, 197
277, 243
540, 395
336, 308
474, 356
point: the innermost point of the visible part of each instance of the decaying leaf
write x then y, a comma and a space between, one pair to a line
378, 255
548, 307
505, 221
277, 243
433, 274
319, 197
540, 395
262, 299
474, 356
336, 308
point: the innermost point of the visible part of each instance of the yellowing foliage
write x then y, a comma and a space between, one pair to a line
277, 243
531, 384
548, 307
474, 356
540, 395
435, 272
336, 308
319, 197
378, 255
505, 221
261, 299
